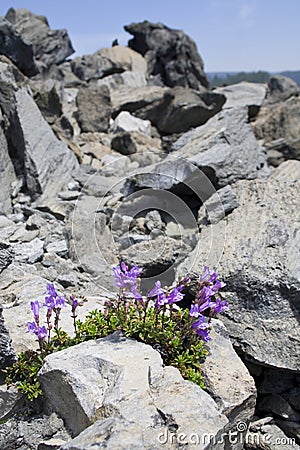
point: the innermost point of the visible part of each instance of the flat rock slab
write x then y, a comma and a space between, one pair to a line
244, 93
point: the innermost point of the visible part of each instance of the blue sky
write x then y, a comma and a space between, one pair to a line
231, 35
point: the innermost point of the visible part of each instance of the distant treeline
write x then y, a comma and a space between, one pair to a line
223, 78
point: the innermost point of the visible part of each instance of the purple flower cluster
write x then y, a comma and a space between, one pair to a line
208, 288
127, 280
52, 300
207, 301
162, 298
34, 327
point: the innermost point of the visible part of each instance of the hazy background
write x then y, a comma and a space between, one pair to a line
231, 35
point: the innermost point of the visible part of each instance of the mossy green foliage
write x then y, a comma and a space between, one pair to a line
170, 334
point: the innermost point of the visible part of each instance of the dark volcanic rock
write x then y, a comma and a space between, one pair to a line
189, 109
15, 48
170, 53
94, 108
49, 46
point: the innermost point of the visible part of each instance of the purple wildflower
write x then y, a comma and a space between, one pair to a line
161, 300
40, 332
137, 296
201, 326
50, 303
74, 303
206, 293
157, 290
32, 327
125, 278
208, 275
186, 280
175, 295
35, 308
52, 299
220, 306
59, 302
218, 285
194, 310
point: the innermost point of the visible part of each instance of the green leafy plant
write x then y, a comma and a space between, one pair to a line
179, 334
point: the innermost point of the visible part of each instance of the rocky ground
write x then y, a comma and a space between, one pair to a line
127, 154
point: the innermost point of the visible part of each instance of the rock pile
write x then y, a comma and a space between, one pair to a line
127, 154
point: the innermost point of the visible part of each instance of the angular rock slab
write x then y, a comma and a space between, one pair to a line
91, 242
227, 379
225, 144
48, 162
120, 378
242, 94
7, 174
256, 252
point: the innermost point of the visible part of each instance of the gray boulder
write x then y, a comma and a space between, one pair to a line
265, 434
226, 145
156, 256
244, 93
49, 46
48, 162
29, 252
171, 54
170, 110
126, 122
212, 156
118, 383
255, 251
